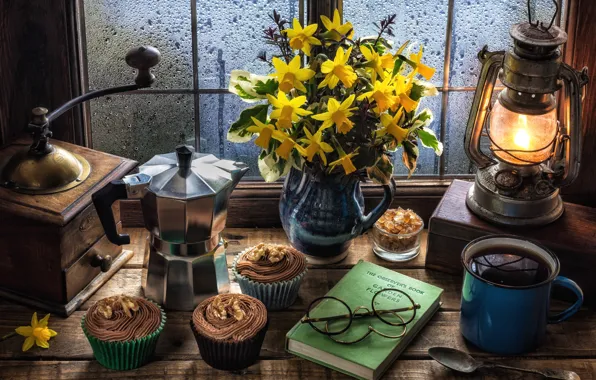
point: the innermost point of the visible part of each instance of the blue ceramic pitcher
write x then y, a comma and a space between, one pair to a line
322, 214
507, 319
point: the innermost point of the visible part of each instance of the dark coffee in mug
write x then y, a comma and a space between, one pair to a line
508, 266
506, 293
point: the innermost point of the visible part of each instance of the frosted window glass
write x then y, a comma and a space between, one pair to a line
115, 26
458, 110
229, 37
421, 21
140, 126
486, 22
218, 112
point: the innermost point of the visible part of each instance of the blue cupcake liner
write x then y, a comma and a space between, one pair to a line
276, 295
123, 356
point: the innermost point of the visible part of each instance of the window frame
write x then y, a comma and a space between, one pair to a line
419, 192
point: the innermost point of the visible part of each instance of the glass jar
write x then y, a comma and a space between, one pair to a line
397, 247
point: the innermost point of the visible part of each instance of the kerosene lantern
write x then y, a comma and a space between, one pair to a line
533, 154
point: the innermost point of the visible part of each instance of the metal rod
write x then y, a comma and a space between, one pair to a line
88, 96
317, 8
195, 73
444, 95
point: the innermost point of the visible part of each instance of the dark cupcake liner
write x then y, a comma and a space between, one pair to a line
276, 295
124, 356
230, 356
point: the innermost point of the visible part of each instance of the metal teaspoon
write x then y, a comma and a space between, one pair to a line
462, 362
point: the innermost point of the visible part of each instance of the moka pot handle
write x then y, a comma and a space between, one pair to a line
131, 186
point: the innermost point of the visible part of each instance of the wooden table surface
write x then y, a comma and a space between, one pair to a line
570, 345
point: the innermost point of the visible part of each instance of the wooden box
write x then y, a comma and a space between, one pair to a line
572, 238
48, 242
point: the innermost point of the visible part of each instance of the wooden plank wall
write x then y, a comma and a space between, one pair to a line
37, 57
583, 53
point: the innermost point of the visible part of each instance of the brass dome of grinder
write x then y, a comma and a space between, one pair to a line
56, 171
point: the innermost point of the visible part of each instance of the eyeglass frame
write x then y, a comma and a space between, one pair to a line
354, 314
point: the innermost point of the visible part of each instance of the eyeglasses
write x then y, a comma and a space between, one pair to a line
339, 323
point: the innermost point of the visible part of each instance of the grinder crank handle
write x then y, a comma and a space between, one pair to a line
131, 186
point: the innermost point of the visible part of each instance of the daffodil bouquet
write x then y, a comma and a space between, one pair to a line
335, 104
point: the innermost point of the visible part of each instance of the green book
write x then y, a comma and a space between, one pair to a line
371, 357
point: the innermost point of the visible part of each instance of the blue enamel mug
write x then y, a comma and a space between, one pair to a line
506, 297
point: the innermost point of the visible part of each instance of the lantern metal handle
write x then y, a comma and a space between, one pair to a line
572, 129
491, 65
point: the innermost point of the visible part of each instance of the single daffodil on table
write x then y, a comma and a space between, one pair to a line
316, 145
381, 93
426, 71
391, 126
338, 114
286, 110
290, 75
264, 130
302, 38
345, 160
335, 29
376, 63
38, 333
337, 70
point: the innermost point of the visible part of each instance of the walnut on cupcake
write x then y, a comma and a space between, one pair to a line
271, 273
123, 330
229, 330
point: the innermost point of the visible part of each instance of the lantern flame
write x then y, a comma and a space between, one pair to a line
522, 138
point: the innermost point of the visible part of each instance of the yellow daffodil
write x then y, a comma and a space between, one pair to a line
316, 145
335, 27
338, 114
426, 71
391, 126
402, 86
287, 111
376, 63
337, 70
287, 144
290, 75
37, 333
302, 38
264, 130
381, 93
346, 162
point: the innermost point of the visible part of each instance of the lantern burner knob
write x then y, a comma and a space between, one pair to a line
508, 179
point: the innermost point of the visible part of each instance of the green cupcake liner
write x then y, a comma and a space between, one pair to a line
275, 295
124, 356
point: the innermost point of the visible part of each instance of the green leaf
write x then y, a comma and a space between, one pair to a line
272, 167
243, 94
397, 66
429, 139
265, 88
417, 92
237, 132
410, 156
382, 171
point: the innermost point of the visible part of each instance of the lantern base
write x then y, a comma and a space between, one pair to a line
505, 211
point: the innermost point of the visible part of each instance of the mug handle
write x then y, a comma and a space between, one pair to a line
565, 314
367, 221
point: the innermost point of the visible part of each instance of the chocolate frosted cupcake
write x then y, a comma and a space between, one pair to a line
123, 331
229, 329
270, 272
